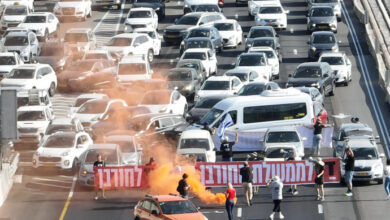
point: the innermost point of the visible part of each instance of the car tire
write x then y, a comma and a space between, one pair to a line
52, 89
331, 93
150, 55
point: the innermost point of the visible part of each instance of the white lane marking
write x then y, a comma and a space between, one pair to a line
101, 20
368, 82
66, 206
320, 209
215, 212
295, 51
18, 178
51, 185
239, 212
24, 164
52, 180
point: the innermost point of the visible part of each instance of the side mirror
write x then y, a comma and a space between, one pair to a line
80, 146
287, 12
233, 64
289, 75
326, 75
201, 23
39, 77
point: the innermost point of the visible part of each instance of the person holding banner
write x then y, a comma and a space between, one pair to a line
277, 195
230, 196
317, 136
183, 188
227, 148
99, 163
293, 188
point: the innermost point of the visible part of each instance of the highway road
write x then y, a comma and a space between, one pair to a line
38, 195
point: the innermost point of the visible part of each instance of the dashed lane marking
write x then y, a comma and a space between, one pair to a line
239, 212
65, 209
320, 209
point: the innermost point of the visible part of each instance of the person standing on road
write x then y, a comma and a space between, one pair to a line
349, 160
227, 148
387, 179
230, 196
183, 188
317, 136
99, 163
319, 179
277, 195
246, 177
293, 188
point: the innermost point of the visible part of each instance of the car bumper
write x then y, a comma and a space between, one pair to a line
53, 165
77, 16
86, 180
278, 25
365, 176
229, 42
173, 39
341, 78
324, 27
314, 54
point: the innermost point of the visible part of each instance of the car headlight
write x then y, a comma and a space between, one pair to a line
182, 43
252, 6
313, 48
186, 6
249, 45
65, 154
315, 84
197, 96
258, 19
83, 173
66, 162
157, 8
188, 87
313, 25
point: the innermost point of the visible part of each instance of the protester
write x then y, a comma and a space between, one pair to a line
319, 168
230, 196
227, 148
277, 195
349, 160
293, 188
317, 136
150, 165
183, 188
246, 179
387, 179
206, 127
99, 163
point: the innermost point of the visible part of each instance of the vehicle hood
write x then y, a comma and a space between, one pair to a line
324, 46
33, 26
270, 16
331, 4
32, 124
273, 159
133, 77
117, 49
302, 81
15, 48
188, 216
178, 27
17, 82
67, 74
6, 68
338, 67
52, 152
147, 5
198, 113
322, 20
156, 108
367, 163
206, 93
13, 18
226, 34
198, 2
179, 84
191, 151
51, 60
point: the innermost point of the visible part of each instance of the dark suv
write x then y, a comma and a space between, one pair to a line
157, 5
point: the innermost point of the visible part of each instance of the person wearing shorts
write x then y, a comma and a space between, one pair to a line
319, 179
246, 179
349, 161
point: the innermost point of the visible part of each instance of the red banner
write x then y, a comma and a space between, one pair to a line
120, 177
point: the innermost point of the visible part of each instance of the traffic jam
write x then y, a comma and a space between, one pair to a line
190, 131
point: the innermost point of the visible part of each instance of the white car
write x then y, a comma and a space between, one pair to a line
340, 63
62, 150
24, 43
78, 41
154, 35
32, 123
98, 55
272, 14
230, 31
13, 15
206, 56
141, 18
165, 101
131, 44
83, 98
245, 75
28, 3
190, 5
272, 58
253, 6
133, 68
219, 85
279, 136
43, 24
132, 153
32, 76
8, 60
280, 152
80, 9
257, 62
197, 143
32, 97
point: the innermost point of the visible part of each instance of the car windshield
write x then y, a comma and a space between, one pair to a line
269, 54
207, 102
325, 1
96, 56
198, 44
21, 74
16, 41
224, 26
199, 33
363, 153
57, 141
307, 72
251, 61
15, 11
255, 89
35, 19
156, 98
52, 51
180, 76
81, 66
216, 85
120, 42
242, 76
270, 10
277, 152
132, 69
188, 20
210, 117
31, 116
322, 12
333, 60
54, 128
282, 137
93, 107
207, 8
140, 14
76, 37
125, 146
177, 207
195, 55
7, 60
264, 43
194, 143
260, 33
109, 156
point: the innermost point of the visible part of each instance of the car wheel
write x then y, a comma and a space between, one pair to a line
150, 56
52, 89
331, 93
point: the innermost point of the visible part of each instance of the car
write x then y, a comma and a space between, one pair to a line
13, 15
205, 32
314, 93
32, 97
245, 75
79, 9
197, 42
120, 4
335, 4
15, 29
64, 125
166, 207
32, 124
53, 52
219, 85
202, 106
256, 88
8, 60
28, 3
81, 99
280, 152
254, 5
206, 56
209, 7
284, 136
111, 155
340, 64
257, 62
191, 5
313, 74
260, 31
126, 44
321, 41
272, 14
43, 24
165, 101
25, 44
132, 68
154, 35
78, 41
230, 31
272, 58
194, 64
131, 151
321, 18
32, 76
157, 5
241, 2
98, 55
368, 161
197, 143
272, 42
185, 80
141, 18
177, 32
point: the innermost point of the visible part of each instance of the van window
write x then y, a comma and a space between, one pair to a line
274, 112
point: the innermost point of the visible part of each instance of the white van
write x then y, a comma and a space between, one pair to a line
272, 108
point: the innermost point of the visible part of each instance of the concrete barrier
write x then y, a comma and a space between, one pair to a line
10, 165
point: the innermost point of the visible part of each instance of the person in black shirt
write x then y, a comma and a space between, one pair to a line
246, 177
183, 188
293, 188
227, 148
317, 136
99, 163
349, 161
319, 168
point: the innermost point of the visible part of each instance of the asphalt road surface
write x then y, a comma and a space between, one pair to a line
53, 195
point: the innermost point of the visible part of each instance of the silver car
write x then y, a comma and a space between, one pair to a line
24, 43
131, 151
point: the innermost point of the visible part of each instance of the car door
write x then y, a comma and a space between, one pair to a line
328, 78
48, 75
40, 79
52, 23
156, 42
238, 31
218, 38
83, 141
155, 19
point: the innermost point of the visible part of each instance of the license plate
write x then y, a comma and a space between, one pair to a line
49, 164
27, 139
62, 85
171, 36
323, 27
362, 174
271, 24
